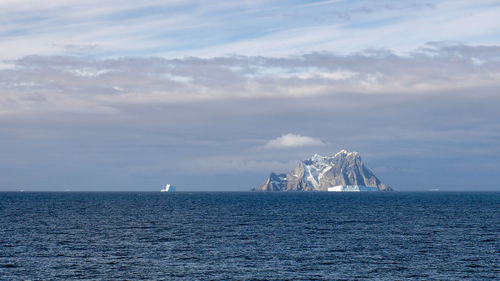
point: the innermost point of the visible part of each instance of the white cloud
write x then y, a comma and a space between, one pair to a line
292, 140
78, 84
154, 27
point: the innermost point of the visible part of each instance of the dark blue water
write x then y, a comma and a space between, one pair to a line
272, 236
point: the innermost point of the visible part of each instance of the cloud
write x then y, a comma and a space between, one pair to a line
176, 29
291, 141
136, 122
84, 84
186, 89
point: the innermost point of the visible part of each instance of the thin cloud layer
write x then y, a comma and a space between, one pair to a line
272, 28
104, 86
291, 141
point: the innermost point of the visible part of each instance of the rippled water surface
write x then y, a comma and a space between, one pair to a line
273, 236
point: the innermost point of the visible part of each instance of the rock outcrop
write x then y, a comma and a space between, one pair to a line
322, 172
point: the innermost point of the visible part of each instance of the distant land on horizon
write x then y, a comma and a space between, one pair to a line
344, 171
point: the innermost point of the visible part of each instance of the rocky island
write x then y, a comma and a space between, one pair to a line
344, 171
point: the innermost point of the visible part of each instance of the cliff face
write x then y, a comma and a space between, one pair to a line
321, 172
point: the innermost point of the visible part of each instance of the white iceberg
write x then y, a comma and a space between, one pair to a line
168, 188
352, 188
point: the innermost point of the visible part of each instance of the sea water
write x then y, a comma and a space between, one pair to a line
244, 236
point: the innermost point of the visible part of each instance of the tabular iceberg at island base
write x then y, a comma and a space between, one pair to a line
352, 188
168, 188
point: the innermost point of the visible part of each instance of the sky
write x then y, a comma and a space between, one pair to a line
213, 96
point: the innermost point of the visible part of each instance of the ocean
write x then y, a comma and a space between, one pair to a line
250, 236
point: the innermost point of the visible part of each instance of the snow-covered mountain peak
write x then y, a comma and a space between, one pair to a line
322, 172
317, 158
320, 162
344, 152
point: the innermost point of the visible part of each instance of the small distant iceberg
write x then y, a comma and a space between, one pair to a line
352, 188
168, 188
